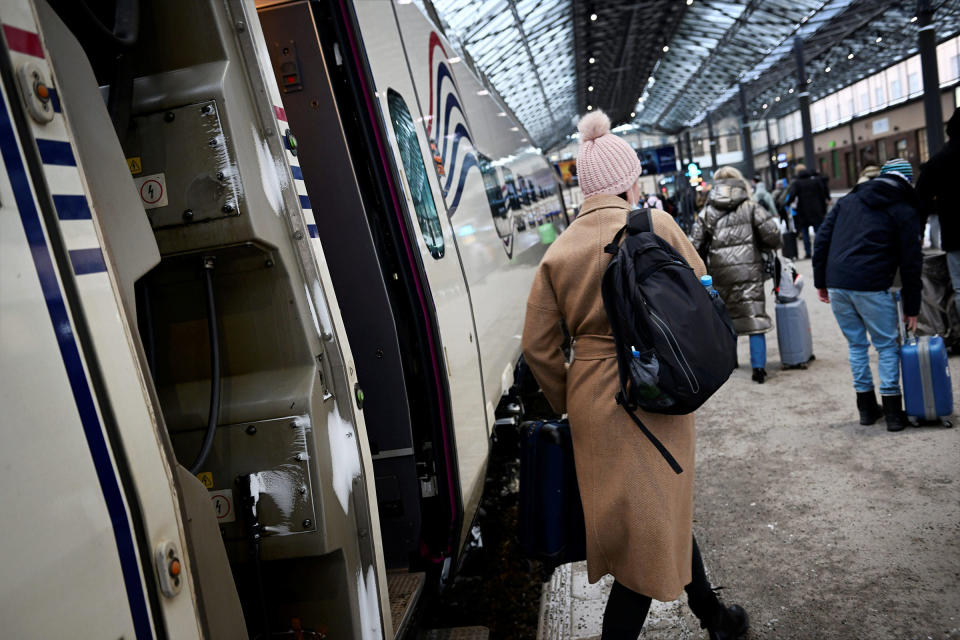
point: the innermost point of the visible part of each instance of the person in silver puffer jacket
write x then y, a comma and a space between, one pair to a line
730, 233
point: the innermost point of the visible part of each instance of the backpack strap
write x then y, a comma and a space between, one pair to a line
638, 221
653, 439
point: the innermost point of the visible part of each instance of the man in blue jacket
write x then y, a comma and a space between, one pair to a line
866, 237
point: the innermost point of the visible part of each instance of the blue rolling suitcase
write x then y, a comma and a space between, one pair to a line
551, 514
927, 389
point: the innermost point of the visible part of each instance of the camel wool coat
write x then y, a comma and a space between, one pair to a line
639, 513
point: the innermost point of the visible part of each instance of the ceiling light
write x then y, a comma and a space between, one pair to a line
777, 99
827, 69
502, 114
593, 17
514, 128
589, 107
592, 60
790, 90
454, 59
633, 114
590, 88
483, 92
913, 19
689, 2
666, 48
523, 139
804, 19
879, 39
850, 56
764, 105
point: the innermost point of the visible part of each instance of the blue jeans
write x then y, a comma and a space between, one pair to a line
758, 350
859, 312
953, 265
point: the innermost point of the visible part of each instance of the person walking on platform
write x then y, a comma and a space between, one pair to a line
939, 198
762, 196
731, 233
639, 512
866, 237
809, 195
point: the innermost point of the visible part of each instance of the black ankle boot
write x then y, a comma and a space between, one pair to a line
759, 375
893, 411
733, 624
870, 411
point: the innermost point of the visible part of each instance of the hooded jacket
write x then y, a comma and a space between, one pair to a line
732, 230
809, 195
936, 190
867, 236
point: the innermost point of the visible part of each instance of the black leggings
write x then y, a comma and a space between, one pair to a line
627, 610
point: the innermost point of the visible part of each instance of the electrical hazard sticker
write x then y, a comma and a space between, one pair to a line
153, 190
135, 164
206, 478
222, 501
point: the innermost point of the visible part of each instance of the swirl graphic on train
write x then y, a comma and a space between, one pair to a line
452, 147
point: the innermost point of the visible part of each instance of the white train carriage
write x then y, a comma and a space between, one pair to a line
261, 295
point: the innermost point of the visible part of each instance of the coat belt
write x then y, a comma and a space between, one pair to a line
594, 347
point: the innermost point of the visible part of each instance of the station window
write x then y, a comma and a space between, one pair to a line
913, 83
416, 174
902, 150
733, 143
495, 194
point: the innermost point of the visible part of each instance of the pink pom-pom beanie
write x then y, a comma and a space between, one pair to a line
605, 163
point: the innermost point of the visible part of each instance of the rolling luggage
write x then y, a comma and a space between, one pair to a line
794, 337
789, 244
551, 514
927, 390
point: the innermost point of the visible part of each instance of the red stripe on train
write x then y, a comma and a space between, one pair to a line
280, 113
23, 41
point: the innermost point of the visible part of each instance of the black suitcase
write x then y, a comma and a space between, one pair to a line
789, 244
551, 514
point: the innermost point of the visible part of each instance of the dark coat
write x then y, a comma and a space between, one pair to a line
737, 230
867, 236
809, 195
939, 195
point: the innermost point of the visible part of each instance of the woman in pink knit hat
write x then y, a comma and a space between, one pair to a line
639, 513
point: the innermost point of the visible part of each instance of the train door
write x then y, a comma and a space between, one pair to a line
236, 327
374, 224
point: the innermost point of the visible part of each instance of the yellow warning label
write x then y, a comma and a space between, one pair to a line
135, 164
205, 476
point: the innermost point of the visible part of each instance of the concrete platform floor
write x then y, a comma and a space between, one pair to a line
819, 527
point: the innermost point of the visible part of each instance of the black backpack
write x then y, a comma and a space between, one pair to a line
675, 343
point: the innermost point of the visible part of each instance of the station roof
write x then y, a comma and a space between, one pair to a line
664, 64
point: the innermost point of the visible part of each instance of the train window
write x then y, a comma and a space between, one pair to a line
495, 194
416, 174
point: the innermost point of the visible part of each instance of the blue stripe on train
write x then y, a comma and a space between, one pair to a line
72, 207
56, 152
87, 261
296, 171
55, 100
73, 363
314, 233
305, 202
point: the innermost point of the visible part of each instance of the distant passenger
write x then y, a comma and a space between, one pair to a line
639, 513
869, 172
866, 237
809, 195
940, 199
762, 196
731, 233
654, 202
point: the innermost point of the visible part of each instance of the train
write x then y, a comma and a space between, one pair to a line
263, 284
